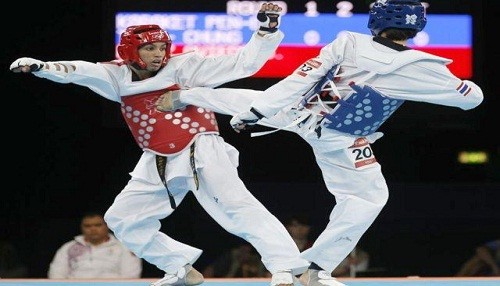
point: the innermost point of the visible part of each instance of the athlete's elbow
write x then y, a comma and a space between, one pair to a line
250, 70
473, 101
473, 98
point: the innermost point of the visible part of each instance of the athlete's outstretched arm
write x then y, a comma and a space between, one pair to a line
228, 101
91, 75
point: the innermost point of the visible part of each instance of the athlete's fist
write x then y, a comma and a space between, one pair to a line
269, 17
26, 65
169, 101
245, 120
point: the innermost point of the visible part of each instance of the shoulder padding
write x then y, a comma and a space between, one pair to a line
370, 58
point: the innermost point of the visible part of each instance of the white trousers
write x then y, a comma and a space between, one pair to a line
359, 188
360, 194
352, 174
135, 215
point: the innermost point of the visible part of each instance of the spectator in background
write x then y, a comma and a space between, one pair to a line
10, 265
95, 253
242, 261
299, 228
358, 260
484, 262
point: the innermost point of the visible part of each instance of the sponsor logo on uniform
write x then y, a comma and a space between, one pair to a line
313, 63
308, 66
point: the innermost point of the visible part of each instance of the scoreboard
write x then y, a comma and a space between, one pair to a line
212, 33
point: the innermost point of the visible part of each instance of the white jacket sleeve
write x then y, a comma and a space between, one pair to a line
434, 83
229, 101
200, 70
59, 266
92, 75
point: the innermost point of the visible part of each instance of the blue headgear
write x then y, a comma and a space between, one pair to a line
402, 14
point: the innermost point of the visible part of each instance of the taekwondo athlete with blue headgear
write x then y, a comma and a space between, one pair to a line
336, 102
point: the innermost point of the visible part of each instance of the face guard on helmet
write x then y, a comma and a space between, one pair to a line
400, 14
135, 37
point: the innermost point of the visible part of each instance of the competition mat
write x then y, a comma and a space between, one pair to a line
407, 281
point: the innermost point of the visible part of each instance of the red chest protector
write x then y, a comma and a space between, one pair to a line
165, 133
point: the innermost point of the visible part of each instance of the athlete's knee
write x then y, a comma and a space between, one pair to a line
375, 201
115, 220
382, 197
110, 215
380, 193
379, 202
238, 216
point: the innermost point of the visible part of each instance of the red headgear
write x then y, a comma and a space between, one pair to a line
136, 36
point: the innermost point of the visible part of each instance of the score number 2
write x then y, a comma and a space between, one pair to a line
344, 9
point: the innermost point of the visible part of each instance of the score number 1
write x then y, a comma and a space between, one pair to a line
344, 9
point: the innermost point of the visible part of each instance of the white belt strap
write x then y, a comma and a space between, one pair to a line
294, 123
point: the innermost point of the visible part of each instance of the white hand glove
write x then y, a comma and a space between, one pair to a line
245, 120
269, 18
26, 65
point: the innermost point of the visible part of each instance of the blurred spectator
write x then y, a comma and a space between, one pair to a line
484, 262
241, 261
10, 265
96, 253
299, 228
357, 261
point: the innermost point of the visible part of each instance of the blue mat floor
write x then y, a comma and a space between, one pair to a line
264, 282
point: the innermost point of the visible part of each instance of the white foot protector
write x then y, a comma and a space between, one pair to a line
318, 278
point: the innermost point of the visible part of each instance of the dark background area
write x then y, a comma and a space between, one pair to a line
65, 154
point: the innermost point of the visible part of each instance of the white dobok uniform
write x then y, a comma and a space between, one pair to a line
209, 170
349, 168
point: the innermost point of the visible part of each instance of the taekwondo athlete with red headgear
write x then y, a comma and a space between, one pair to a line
336, 102
182, 150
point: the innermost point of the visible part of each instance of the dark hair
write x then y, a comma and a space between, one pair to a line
399, 34
300, 218
92, 213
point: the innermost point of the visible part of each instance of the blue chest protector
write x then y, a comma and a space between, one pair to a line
362, 112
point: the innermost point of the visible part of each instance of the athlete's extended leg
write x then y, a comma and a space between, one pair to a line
135, 216
224, 196
360, 192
